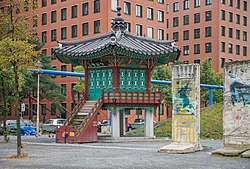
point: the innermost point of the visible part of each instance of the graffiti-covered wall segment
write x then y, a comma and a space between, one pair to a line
236, 116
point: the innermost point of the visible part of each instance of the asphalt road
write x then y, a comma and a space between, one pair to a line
44, 153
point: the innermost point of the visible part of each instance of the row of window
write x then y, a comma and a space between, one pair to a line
208, 17
231, 33
208, 49
150, 32
230, 49
230, 18
74, 31
52, 2
238, 4
186, 5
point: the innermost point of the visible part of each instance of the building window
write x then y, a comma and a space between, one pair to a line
186, 20
176, 36
63, 68
197, 18
197, 61
150, 31
208, 15
230, 17
74, 11
208, 47
237, 49
44, 18
43, 109
196, 33
53, 2
63, 14
176, 7
96, 6
222, 62
208, 2
138, 30
128, 27
63, 33
150, 13
34, 109
53, 16
175, 21
237, 19
63, 89
186, 35
244, 20
223, 1
196, 48
237, 34
73, 31
186, 4
161, 1
44, 3
244, 36
139, 11
160, 34
230, 32
114, 4
97, 26
127, 8
208, 31
230, 2
44, 36
197, 3
85, 9
223, 46
167, 8
244, 51
186, 50
230, 48
245, 5
53, 108
85, 29
238, 4
223, 31
161, 16
53, 35
223, 15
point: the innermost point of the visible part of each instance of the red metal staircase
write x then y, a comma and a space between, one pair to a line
81, 125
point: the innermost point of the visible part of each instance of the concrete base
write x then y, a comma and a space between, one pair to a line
246, 154
233, 150
177, 148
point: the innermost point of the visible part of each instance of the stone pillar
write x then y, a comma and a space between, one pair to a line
115, 128
148, 124
122, 122
186, 109
236, 114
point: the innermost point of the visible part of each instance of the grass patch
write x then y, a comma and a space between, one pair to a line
211, 124
17, 157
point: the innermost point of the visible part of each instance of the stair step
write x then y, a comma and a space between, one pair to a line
83, 113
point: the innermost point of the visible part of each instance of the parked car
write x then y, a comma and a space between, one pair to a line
102, 123
12, 126
51, 124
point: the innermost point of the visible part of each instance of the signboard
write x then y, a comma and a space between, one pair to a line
22, 107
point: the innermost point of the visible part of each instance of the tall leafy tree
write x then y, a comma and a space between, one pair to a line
17, 52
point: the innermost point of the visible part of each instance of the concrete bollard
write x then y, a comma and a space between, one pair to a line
186, 109
236, 114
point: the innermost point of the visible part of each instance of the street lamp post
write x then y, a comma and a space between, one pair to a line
38, 99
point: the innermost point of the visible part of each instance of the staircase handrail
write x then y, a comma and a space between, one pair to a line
97, 104
76, 109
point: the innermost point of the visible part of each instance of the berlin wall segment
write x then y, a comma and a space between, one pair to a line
236, 114
186, 109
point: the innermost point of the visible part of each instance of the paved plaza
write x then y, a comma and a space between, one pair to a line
43, 152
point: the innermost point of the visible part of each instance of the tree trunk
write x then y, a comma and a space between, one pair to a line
4, 108
17, 108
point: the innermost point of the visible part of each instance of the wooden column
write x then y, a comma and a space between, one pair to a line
148, 79
86, 82
116, 79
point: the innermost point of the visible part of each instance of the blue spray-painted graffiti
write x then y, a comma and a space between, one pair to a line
183, 95
240, 93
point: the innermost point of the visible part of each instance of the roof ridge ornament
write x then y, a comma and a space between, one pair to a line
118, 25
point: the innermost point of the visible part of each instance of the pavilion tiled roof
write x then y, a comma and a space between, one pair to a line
118, 42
